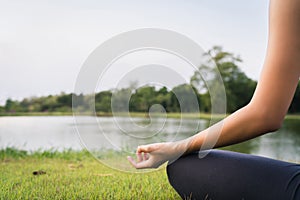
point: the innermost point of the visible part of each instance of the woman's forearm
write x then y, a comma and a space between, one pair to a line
270, 102
244, 124
275, 89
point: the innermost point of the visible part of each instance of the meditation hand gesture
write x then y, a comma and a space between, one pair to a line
154, 155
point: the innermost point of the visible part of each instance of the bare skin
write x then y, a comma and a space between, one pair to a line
269, 104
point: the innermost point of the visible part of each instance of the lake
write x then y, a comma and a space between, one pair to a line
121, 133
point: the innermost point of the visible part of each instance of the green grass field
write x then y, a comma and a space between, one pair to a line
74, 175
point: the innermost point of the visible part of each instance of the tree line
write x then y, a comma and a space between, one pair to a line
182, 98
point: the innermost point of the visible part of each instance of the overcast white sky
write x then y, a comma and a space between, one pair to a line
44, 43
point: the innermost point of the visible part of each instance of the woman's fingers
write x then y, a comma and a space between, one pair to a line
132, 161
146, 156
139, 165
139, 157
147, 148
144, 148
144, 159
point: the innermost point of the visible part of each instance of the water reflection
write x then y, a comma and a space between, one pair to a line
33, 133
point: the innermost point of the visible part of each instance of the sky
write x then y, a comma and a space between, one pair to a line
43, 44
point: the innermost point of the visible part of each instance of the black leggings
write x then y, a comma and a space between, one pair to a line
234, 176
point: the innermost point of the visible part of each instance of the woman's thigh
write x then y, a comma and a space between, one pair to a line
229, 175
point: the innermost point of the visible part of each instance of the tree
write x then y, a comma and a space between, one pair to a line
120, 100
12, 106
238, 87
2, 109
65, 100
103, 101
143, 99
185, 98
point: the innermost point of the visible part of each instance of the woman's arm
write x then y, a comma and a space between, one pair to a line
270, 102
277, 84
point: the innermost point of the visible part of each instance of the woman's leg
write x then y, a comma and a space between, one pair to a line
229, 175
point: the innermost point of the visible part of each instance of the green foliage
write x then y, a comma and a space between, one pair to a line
67, 154
143, 98
103, 101
238, 87
120, 100
2, 109
12, 153
186, 98
12, 106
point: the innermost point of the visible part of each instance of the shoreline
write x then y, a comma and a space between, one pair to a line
132, 114
206, 116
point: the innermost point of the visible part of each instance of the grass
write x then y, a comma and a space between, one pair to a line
293, 116
134, 114
36, 113
74, 175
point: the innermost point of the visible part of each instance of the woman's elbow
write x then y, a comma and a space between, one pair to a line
274, 124
266, 120
271, 122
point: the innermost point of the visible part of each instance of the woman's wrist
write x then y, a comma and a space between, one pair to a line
184, 146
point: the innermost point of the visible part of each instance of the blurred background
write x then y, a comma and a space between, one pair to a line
43, 45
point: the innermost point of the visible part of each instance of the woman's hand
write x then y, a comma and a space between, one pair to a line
154, 155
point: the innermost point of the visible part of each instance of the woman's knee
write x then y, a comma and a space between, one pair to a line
183, 177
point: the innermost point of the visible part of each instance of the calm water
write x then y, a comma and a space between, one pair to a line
40, 133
